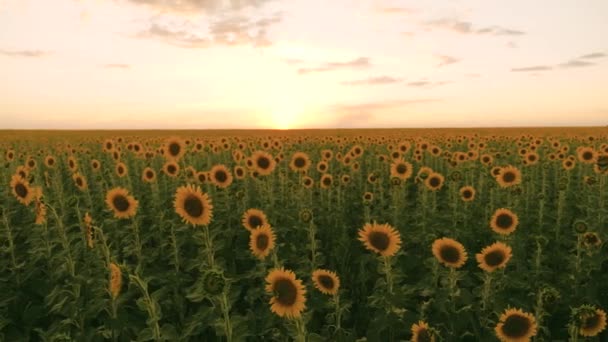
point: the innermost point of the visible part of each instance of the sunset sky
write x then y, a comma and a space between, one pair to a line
302, 63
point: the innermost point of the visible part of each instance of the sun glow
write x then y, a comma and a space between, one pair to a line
285, 116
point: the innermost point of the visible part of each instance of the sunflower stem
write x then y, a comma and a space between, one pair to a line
226, 313
301, 328
208, 246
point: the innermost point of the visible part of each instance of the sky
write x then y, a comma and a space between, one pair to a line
285, 64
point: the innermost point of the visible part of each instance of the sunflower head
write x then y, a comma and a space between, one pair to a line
401, 169
493, 257
326, 181
171, 168
422, 332
263, 163
21, 190
589, 320
121, 169
121, 203
148, 175
449, 252
467, 193
288, 294
213, 282
80, 181
115, 280
253, 218
300, 162
261, 241
504, 221
221, 176
509, 176
380, 238
326, 281
434, 181
515, 325
175, 148
193, 205
591, 239
306, 215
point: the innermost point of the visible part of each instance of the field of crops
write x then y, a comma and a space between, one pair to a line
377, 235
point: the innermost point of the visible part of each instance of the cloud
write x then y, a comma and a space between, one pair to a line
117, 66
208, 6
363, 109
361, 62
575, 64
466, 27
232, 30
373, 81
533, 68
396, 10
446, 60
512, 45
593, 55
426, 84
25, 53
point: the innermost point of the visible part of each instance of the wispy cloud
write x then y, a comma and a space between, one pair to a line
373, 81
361, 62
25, 53
371, 107
446, 60
575, 64
426, 83
396, 10
593, 55
533, 68
466, 27
117, 66
207, 6
232, 30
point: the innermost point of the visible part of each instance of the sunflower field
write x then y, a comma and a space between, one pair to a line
341, 235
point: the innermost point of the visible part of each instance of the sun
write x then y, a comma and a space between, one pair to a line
285, 116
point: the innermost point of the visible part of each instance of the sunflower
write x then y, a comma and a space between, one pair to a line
586, 155
327, 155
327, 282
495, 171
40, 208
509, 176
263, 163
253, 218
171, 168
80, 181
108, 145
121, 169
495, 256
307, 182
288, 293
300, 162
115, 280
568, 164
592, 323
31, 164
175, 148
421, 332
326, 181
193, 205
322, 166
449, 252
88, 222
239, 172
504, 221
401, 169
49, 162
22, 190
72, 164
95, 165
380, 238
434, 181
261, 241
531, 158
148, 175
515, 326
221, 176
345, 179
467, 193
591, 239
10, 155
123, 204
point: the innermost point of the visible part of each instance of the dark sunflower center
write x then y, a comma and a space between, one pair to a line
516, 326
307, 181
286, 292
368, 197
494, 258
508, 177
21, 190
587, 155
485, 159
263, 162
504, 221
149, 174
174, 149
401, 168
31, 163
327, 181
171, 168
71, 164
121, 203
193, 206
467, 194
379, 240
449, 254
326, 282
51, 161
532, 157
95, 165
239, 172
322, 167
255, 221
591, 322
262, 241
299, 162
591, 238
121, 170
109, 146
434, 182
424, 336
221, 176
79, 181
